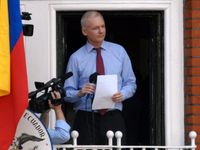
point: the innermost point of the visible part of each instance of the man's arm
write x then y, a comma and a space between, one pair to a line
45, 118
129, 86
61, 133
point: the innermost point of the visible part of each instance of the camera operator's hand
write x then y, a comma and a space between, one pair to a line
57, 108
56, 96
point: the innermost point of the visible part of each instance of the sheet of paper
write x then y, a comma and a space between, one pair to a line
105, 88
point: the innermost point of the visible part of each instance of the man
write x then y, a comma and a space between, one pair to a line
110, 58
61, 133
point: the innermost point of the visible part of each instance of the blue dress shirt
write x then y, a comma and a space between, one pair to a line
61, 133
83, 63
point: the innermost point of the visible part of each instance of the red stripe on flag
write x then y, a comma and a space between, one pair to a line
13, 105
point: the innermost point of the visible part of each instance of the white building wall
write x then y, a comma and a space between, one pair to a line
37, 46
41, 48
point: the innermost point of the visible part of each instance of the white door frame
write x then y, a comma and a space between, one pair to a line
173, 51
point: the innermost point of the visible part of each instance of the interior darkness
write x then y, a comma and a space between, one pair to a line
141, 35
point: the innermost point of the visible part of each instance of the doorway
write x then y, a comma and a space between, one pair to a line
141, 34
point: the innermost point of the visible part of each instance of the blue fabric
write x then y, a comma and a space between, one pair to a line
15, 23
61, 133
83, 63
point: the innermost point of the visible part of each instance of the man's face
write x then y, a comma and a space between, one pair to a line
94, 30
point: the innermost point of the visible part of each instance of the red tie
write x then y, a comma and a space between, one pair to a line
101, 71
100, 65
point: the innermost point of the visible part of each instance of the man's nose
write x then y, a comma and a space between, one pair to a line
101, 29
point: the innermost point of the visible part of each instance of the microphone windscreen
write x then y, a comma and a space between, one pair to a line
93, 78
66, 76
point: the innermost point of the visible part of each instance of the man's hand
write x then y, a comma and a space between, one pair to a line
88, 88
117, 97
55, 95
58, 108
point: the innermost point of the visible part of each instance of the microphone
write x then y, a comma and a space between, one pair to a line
65, 76
58, 80
44, 86
92, 79
61, 78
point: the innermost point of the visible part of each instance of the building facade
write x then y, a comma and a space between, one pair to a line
167, 51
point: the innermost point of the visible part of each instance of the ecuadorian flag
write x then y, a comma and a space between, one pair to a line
13, 76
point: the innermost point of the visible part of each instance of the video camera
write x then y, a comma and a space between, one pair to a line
39, 104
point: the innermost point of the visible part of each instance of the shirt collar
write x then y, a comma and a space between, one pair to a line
90, 47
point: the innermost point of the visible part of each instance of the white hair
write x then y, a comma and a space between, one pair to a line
89, 14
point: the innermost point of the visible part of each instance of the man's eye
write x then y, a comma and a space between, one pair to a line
95, 29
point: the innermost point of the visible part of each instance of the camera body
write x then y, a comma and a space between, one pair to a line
38, 102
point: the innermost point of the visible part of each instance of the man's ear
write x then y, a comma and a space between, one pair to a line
84, 31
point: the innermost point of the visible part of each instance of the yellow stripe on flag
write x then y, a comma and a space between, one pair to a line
4, 49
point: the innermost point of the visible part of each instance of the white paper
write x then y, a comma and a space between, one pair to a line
105, 88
